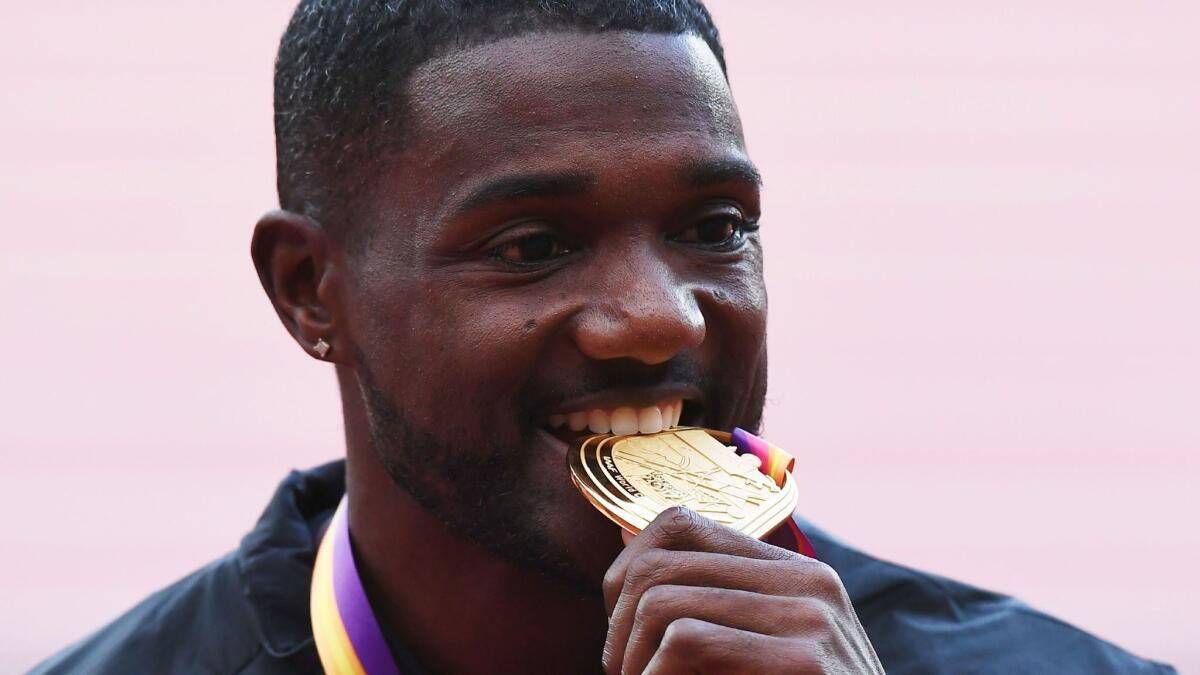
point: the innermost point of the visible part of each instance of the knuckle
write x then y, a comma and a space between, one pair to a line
824, 581
806, 615
824, 631
642, 571
611, 579
647, 568
816, 625
678, 523
686, 635
654, 609
656, 599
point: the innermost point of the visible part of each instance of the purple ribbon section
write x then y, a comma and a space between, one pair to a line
353, 606
783, 537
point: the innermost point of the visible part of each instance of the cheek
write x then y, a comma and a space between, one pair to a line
735, 307
736, 304
457, 362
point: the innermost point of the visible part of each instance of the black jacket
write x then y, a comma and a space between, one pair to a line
247, 613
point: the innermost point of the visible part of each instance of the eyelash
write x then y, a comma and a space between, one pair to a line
497, 251
742, 226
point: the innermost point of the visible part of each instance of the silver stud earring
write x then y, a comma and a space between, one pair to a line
322, 347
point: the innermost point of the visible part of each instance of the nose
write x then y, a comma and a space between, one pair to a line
641, 312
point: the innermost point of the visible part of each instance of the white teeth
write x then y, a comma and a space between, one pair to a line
578, 421
670, 414
650, 420
598, 422
624, 421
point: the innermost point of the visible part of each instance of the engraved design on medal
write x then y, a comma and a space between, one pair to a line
631, 479
683, 473
610, 465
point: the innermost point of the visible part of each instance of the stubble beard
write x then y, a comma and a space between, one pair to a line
473, 493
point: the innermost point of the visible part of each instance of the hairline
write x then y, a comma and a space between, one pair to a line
377, 143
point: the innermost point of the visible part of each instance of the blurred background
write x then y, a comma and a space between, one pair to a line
983, 235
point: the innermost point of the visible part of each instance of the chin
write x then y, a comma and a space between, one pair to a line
578, 534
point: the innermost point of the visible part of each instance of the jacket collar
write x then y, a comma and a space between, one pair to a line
276, 558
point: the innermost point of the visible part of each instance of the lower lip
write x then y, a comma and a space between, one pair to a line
557, 445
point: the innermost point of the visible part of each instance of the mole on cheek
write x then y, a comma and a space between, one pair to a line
530, 325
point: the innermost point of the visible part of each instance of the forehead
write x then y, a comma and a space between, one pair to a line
569, 101
540, 82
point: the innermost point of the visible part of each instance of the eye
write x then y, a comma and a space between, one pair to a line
724, 231
532, 249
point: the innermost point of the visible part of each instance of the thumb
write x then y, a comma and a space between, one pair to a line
626, 536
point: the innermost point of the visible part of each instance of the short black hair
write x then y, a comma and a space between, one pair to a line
342, 65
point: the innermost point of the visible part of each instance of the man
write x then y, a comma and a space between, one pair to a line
504, 222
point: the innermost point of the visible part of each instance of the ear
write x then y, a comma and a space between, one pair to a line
291, 253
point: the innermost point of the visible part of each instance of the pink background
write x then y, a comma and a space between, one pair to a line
983, 227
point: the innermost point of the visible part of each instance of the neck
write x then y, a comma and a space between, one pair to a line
455, 606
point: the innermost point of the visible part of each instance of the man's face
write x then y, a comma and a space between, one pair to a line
570, 227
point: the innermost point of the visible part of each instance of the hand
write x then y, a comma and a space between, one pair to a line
690, 596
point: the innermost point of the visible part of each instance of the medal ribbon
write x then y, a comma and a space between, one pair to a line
349, 640
776, 463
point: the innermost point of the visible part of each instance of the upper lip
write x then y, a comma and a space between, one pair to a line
633, 398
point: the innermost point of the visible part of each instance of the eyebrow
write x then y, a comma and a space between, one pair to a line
723, 171
532, 185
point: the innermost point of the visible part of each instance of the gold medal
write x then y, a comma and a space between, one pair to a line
632, 479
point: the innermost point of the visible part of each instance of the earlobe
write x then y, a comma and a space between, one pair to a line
291, 254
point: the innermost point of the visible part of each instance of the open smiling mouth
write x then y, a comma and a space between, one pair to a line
623, 420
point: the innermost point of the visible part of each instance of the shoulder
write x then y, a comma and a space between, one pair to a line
924, 623
197, 624
200, 624
244, 613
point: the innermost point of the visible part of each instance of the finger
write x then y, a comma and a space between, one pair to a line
685, 530
696, 646
661, 606
795, 577
627, 536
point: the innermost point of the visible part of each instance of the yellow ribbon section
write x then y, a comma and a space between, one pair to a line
333, 644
